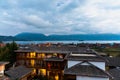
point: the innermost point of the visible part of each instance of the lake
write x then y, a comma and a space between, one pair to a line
65, 42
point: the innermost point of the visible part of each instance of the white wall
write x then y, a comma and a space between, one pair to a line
72, 63
100, 65
90, 78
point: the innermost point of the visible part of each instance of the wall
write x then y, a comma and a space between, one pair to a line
100, 65
90, 78
2, 68
72, 63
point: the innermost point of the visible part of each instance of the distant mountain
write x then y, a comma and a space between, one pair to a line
31, 36
8, 38
42, 37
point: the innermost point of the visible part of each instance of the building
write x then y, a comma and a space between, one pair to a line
86, 66
113, 66
85, 71
2, 70
113, 62
56, 61
19, 73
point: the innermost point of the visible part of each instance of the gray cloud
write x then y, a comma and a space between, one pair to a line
59, 16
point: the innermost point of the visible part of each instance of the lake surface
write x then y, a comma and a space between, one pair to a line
65, 42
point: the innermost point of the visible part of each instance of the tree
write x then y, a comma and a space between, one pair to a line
7, 53
12, 55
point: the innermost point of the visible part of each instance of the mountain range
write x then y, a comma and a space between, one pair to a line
42, 37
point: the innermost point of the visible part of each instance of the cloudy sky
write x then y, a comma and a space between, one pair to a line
59, 16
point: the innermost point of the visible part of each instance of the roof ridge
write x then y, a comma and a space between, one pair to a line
96, 53
85, 61
99, 69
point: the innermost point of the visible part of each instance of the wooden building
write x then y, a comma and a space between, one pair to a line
62, 61
48, 60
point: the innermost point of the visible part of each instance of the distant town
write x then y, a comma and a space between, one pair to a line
59, 61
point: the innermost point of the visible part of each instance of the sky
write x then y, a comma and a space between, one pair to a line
59, 16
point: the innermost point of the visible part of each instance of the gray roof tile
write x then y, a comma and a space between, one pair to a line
86, 70
18, 72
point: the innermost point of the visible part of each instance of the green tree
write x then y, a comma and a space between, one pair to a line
7, 53
12, 55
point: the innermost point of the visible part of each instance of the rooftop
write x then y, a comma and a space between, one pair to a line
54, 59
51, 49
86, 70
115, 73
113, 61
3, 63
84, 56
18, 72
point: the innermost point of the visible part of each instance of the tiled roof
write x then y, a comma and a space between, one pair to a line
85, 56
18, 72
51, 49
3, 63
115, 73
113, 61
82, 58
54, 59
86, 70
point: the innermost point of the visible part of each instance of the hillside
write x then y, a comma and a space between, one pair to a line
9, 38
31, 36
42, 37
